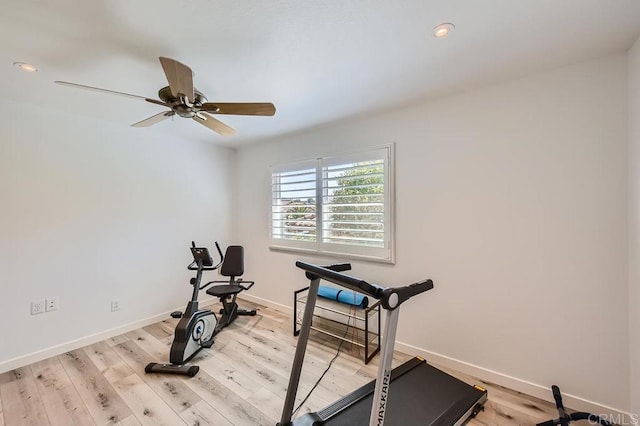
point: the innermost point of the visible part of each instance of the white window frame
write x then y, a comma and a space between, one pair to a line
384, 254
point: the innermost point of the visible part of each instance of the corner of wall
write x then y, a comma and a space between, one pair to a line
634, 226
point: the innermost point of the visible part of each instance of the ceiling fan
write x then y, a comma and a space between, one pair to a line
184, 100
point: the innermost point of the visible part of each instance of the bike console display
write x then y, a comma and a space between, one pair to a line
201, 256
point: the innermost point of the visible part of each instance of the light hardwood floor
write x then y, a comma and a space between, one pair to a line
242, 381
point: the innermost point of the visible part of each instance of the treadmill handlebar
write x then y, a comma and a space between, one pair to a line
404, 293
339, 267
390, 298
352, 283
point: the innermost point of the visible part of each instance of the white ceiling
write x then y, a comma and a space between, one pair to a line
317, 61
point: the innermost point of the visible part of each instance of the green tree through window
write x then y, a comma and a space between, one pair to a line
340, 205
355, 210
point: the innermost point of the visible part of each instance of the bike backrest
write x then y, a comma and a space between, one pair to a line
233, 265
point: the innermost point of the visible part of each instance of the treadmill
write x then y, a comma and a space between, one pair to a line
410, 394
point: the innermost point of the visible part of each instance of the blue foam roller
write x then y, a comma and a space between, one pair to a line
343, 296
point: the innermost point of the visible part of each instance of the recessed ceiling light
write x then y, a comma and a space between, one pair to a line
25, 67
443, 30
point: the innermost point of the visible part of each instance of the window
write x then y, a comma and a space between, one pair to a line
339, 205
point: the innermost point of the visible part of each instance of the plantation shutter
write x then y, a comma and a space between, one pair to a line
293, 202
353, 204
339, 205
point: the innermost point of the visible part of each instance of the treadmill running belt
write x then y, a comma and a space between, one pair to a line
423, 395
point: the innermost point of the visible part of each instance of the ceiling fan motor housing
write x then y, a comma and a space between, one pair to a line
179, 107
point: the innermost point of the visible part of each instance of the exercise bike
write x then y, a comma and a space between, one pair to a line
197, 327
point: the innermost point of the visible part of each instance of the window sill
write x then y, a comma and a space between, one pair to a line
312, 252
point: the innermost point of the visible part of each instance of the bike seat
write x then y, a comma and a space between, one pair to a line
224, 290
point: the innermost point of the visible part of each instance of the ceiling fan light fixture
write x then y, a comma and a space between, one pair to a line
25, 67
443, 30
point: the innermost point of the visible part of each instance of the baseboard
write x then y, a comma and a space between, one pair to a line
40, 355
268, 303
484, 374
516, 384
542, 392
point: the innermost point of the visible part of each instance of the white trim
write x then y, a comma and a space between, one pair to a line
268, 303
487, 375
484, 374
510, 382
385, 254
313, 252
56, 350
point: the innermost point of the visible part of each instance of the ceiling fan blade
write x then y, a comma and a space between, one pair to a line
157, 102
111, 92
180, 78
153, 119
215, 125
264, 108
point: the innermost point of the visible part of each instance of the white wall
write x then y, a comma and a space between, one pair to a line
93, 211
513, 199
634, 224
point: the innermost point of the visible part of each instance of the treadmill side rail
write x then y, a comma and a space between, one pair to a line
298, 359
383, 382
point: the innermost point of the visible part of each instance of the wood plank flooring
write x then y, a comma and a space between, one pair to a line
242, 381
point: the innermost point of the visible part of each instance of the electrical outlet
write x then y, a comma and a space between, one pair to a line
52, 304
37, 306
115, 305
